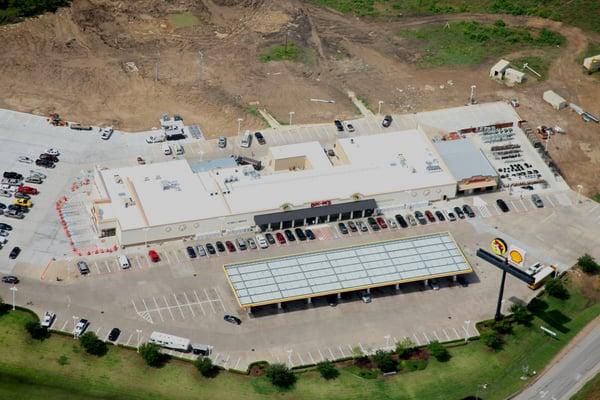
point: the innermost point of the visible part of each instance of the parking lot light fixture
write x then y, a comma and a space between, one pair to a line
239, 121
379, 109
13, 290
579, 189
291, 114
139, 333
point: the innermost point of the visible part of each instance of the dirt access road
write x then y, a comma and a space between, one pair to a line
96, 62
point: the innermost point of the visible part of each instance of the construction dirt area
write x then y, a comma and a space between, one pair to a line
126, 62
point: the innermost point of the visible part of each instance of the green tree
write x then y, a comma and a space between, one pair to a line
521, 315
556, 288
384, 361
92, 345
588, 264
439, 351
36, 331
327, 370
151, 354
205, 366
492, 339
502, 326
404, 347
281, 376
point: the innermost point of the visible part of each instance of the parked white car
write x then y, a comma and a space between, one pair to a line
106, 132
25, 160
37, 173
81, 327
262, 242
156, 139
52, 152
48, 319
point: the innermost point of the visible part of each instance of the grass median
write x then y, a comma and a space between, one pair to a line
58, 368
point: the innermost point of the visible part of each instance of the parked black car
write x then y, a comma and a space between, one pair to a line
289, 235
220, 246
469, 211
373, 224
14, 253
210, 248
459, 212
338, 125
260, 138
387, 121
502, 205
401, 221
48, 157
343, 228
44, 163
12, 175
309, 234
176, 136
5, 227
114, 334
10, 279
420, 217
270, 238
300, 234
232, 319
191, 252
440, 215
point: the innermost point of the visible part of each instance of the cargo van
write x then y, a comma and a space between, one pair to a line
166, 150
124, 261
178, 148
246, 139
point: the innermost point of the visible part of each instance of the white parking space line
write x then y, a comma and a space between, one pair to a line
137, 262
237, 363
189, 304
129, 340
97, 269
427, 340
436, 336
456, 332
446, 334
158, 309
550, 201
321, 354
466, 332
176, 256
301, 360
64, 325
199, 302
220, 300
168, 307
312, 360
178, 306
416, 339
211, 303
98, 331
166, 255
524, 204
107, 266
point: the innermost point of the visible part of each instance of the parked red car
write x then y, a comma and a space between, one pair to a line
381, 223
153, 256
230, 246
280, 238
429, 216
27, 190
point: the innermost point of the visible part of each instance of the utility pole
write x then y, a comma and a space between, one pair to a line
200, 59
239, 121
472, 97
379, 109
291, 114
157, 77
579, 189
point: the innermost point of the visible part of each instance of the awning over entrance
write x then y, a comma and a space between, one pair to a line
314, 215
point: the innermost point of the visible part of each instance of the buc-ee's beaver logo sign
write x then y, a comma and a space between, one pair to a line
498, 247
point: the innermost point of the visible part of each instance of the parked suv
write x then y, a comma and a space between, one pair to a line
420, 217
387, 121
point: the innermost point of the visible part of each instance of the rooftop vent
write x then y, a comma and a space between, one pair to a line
170, 185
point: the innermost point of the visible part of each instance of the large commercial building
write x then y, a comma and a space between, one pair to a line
300, 184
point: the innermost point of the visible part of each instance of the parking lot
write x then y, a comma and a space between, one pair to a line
189, 297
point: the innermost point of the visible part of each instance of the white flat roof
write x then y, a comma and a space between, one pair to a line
319, 273
159, 194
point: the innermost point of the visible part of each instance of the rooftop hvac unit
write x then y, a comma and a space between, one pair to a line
118, 179
170, 185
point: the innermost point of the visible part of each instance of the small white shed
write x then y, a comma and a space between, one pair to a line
498, 70
512, 76
592, 64
554, 99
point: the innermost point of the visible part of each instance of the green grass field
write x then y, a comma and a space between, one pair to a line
291, 52
183, 20
31, 369
470, 42
580, 13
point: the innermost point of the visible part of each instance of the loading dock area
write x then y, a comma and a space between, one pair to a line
357, 268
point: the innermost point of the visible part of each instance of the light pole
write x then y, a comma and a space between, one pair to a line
291, 114
387, 341
75, 318
139, 332
379, 109
13, 290
466, 328
239, 121
472, 97
579, 189
290, 358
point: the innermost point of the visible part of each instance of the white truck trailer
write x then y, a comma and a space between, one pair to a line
178, 343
